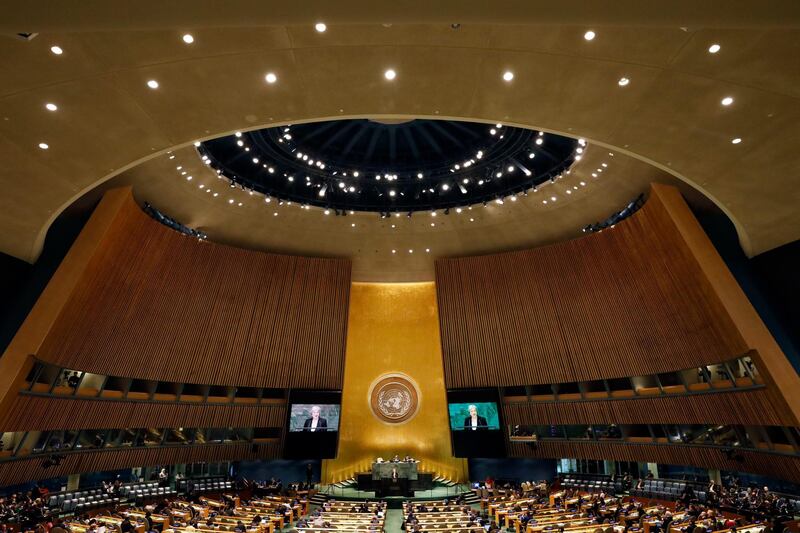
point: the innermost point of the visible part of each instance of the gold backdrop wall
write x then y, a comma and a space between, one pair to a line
393, 328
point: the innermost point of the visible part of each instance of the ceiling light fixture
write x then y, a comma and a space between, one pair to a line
57, 50
44, 146
737, 140
271, 77
320, 27
623, 82
589, 35
508, 75
390, 74
714, 48
51, 107
728, 100
188, 38
153, 84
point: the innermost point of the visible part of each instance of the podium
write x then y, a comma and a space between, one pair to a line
381, 481
405, 470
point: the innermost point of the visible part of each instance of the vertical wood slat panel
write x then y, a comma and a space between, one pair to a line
36, 413
767, 464
745, 408
156, 304
629, 301
18, 471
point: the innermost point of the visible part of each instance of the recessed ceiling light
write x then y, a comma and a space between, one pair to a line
390, 74
153, 84
51, 107
56, 50
189, 178
539, 141
188, 39
508, 75
320, 27
737, 140
44, 146
589, 35
410, 251
271, 77
623, 82
714, 48
394, 251
728, 100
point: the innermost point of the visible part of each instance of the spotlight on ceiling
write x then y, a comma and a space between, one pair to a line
51, 107
57, 50
737, 140
390, 74
153, 84
728, 100
714, 48
623, 82
44, 146
271, 77
320, 27
188, 38
508, 75
589, 35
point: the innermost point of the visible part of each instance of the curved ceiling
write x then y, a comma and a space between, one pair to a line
397, 248
669, 114
403, 166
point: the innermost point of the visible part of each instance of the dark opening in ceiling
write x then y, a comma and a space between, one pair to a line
390, 166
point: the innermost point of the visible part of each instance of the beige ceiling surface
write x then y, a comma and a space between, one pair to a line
668, 116
399, 248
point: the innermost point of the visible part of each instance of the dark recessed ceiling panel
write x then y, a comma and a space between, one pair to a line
390, 165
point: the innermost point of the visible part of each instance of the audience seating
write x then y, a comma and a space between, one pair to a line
592, 483
209, 484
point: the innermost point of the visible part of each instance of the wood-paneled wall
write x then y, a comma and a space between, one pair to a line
40, 413
629, 301
156, 304
746, 408
767, 464
22, 470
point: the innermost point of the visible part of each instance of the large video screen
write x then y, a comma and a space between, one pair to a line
474, 416
313, 420
314, 417
475, 422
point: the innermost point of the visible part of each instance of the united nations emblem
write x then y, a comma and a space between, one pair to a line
394, 398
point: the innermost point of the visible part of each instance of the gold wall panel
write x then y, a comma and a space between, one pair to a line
393, 328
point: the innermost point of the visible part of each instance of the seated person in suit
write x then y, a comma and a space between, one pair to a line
316, 422
474, 420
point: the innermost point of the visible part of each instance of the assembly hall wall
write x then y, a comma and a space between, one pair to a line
393, 332
136, 300
647, 296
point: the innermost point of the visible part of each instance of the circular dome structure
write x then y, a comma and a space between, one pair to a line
390, 166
